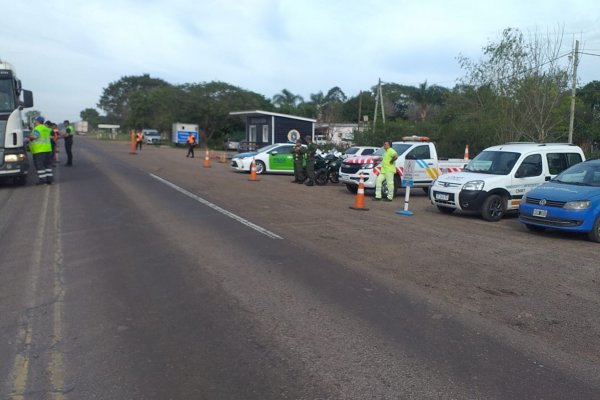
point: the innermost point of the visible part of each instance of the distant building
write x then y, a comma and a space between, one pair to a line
264, 128
336, 133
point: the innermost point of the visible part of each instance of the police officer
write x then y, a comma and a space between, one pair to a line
191, 142
311, 150
41, 149
298, 155
69, 132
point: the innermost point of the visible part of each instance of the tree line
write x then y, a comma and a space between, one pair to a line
518, 91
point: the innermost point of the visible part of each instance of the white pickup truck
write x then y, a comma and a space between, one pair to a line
427, 168
495, 181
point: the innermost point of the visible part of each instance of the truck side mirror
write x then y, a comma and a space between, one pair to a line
27, 99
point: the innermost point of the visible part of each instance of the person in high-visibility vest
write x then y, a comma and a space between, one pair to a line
191, 142
388, 169
139, 137
68, 136
41, 149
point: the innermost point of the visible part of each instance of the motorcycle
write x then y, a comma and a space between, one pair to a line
327, 168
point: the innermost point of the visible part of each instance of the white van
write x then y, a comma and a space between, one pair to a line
495, 181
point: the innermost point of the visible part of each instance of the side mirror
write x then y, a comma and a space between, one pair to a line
27, 99
410, 157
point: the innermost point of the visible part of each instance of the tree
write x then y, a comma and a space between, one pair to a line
528, 83
286, 102
587, 122
115, 98
92, 116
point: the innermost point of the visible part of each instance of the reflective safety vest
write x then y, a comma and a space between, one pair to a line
191, 139
70, 130
138, 137
41, 144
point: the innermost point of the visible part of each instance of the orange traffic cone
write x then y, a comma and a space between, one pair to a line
360, 196
222, 158
206, 160
466, 158
253, 171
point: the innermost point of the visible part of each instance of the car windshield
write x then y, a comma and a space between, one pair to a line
266, 148
583, 174
352, 150
493, 162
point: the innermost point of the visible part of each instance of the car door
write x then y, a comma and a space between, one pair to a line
425, 164
280, 159
527, 175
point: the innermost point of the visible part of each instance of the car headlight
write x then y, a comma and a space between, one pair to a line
577, 205
473, 185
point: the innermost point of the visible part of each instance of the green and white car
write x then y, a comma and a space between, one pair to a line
274, 158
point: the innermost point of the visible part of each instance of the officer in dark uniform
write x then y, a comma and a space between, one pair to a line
311, 150
298, 155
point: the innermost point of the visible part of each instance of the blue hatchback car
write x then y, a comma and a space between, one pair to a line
569, 202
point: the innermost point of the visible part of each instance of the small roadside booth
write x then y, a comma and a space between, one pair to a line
264, 128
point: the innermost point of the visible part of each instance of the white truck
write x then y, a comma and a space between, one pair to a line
495, 181
419, 148
13, 155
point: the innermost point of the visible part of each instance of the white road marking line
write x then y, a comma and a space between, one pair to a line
219, 209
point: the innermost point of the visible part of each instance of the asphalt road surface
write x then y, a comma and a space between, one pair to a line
149, 276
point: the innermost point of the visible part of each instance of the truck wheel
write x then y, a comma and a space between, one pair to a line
352, 188
493, 208
594, 234
446, 210
20, 180
397, 186
260, 167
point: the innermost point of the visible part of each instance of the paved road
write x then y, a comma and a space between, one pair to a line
148, 277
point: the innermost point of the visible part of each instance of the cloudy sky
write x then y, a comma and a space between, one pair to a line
68, 51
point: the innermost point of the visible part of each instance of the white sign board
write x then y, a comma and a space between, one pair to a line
409, 171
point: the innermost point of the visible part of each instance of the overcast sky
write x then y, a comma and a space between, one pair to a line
68, 51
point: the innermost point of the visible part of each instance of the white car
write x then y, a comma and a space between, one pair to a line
151, 136
356, 151
275, 158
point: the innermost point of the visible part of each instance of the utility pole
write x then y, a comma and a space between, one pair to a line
573, 90
378, 99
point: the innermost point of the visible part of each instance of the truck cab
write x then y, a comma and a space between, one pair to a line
419, 148
496, 180
14, 162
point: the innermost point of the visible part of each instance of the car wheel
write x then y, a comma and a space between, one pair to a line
594, 234
493, 208
352, 188
535, 228
260, 167
445, 210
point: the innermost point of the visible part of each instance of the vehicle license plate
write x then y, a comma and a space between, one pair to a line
540, 213
442, 196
